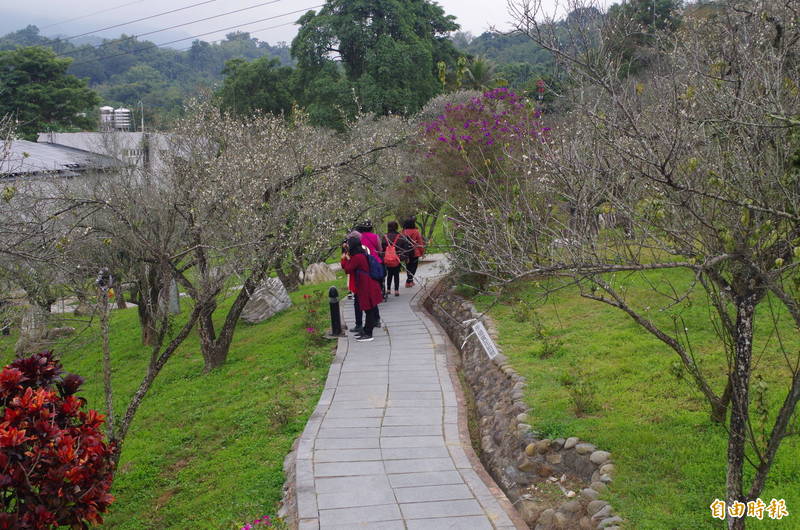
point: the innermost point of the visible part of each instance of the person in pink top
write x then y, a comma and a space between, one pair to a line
370, 240
373, 244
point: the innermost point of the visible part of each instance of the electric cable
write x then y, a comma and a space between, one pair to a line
151, 46
92, 14
141, 19
118, 41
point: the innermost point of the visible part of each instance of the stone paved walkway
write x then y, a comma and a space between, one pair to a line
383, 449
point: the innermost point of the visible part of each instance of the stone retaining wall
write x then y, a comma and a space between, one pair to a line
552, 483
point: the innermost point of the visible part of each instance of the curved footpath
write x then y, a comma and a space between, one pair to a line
387, 446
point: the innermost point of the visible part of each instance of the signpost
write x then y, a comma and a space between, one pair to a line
479, 331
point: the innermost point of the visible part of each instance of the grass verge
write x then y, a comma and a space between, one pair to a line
670, 457
205, 450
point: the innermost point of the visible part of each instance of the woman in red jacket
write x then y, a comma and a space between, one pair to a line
418, 249
354, 262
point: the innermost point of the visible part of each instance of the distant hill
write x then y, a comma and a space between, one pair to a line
125, 71
515, 58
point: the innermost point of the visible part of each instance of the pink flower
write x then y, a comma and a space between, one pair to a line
311, 330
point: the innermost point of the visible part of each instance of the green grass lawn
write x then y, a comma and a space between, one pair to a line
670, 457
205, 450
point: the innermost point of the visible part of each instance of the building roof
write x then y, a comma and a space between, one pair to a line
24, 158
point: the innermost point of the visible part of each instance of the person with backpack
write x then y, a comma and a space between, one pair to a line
354, 237
417, 249
373, 243
358, 264
395, 245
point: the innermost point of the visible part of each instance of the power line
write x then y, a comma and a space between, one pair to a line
118, 41
151, 46
141, 19
92, 14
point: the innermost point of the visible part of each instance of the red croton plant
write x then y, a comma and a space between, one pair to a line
55, 468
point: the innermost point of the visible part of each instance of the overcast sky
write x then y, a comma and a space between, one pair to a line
69, 18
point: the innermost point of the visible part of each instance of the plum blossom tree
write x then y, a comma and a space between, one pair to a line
690, 165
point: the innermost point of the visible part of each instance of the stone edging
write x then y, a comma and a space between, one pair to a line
299, 503
443, 344
512, 452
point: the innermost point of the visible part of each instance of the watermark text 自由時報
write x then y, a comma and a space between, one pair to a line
776, 509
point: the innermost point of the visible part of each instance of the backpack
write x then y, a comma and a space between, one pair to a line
390, 257
376, 270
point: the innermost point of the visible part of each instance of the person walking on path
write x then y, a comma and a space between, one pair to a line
372, 242
354, 237
370, 239
394, 245
417, 249
354, 262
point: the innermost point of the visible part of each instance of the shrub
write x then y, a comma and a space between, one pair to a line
55, 468
582, 391
313, 318
471, 139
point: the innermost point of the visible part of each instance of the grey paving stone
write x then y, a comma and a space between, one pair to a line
451, 523
306, 503
414, 378
357, 396
411, 430
345, 423
347, 455
343, 469
380, 525
460, 457
432, 478
368, 514
336, 412
424, 510
410, 371
419, 465
390, 421
414, 386
451, 434
415, 395
347, 443
413, 411
433, 493
415, 403
356, 497
308, 524
372, 402
401, 453
364, 432
372, 378
394, 442
360, 482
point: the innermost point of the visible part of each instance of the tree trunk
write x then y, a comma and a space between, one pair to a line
147, 302
208, 336
156, 364
740, 384
121, 299
107, 389
215, 348
719, 407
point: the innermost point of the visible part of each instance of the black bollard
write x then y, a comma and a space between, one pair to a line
336, 317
